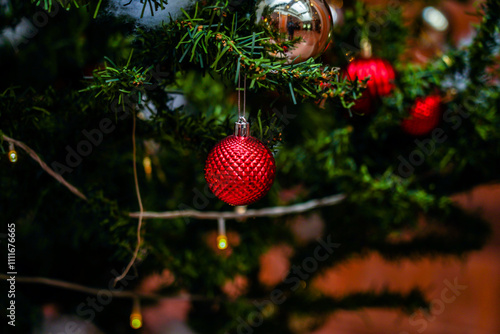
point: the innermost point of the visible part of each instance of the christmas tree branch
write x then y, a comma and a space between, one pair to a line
51, 5
212, 38
486, 41
44, 166
266, 212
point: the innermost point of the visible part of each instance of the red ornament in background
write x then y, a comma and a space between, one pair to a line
88, 70
424, 116
240, 170
381, 81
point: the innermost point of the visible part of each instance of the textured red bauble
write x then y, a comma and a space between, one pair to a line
240, 170
381, 81
424, 116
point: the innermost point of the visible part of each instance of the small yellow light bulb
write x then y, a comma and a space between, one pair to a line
222, 242
136, 320
147, 167
13, 156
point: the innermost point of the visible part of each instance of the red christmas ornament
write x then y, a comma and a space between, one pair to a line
88, 70
424, 116
381, 81
240, 169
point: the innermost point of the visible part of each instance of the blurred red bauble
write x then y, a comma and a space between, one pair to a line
381, 81
88, 70
424, 116
240, 170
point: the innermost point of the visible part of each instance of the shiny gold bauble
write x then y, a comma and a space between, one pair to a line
309, 20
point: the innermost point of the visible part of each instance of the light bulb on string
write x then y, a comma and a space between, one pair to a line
222, 242
147, 167
222, 238
12, 153
136, 316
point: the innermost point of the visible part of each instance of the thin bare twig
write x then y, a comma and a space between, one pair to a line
44, 166
141, 208
95, 291
267, 212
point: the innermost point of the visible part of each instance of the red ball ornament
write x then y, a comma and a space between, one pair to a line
240, 170
424, 116
381, 81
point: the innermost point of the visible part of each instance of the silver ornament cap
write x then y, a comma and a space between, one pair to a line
242, 128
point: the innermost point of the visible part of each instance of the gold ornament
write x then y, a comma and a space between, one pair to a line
309, 20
